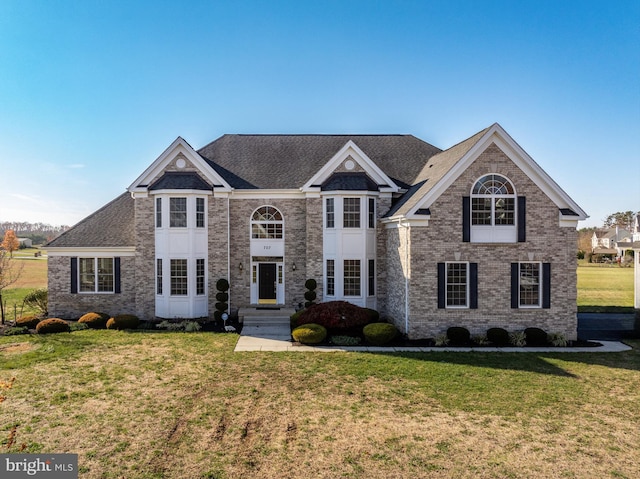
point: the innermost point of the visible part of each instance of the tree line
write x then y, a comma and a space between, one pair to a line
39, 233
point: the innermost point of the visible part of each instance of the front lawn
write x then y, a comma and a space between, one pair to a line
176, 405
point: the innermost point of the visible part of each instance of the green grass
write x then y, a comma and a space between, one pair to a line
604, 288
176, 405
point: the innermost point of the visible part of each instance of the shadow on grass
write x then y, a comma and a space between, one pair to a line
527, 362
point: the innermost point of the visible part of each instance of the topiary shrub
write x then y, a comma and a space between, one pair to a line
53, 325
379, 333
309, 333
335, 315
95, 320
498, 336
458, 336
28, 321
222, 285
535, 337
123, 321
310, 295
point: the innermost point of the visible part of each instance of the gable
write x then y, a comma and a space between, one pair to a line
178, 165
452, 163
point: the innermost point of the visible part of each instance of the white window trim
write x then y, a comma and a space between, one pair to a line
540, 283
446, 284
96, 274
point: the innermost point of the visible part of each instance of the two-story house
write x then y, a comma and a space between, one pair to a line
477, 235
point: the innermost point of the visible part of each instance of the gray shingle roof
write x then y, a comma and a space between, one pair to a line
112, 225
349, 181
173, 180
289, 161
432, 172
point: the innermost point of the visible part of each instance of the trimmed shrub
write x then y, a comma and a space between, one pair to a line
311, 284
28, 321
310, 295
95, 320
379, 333
535, 337
53, 325
374, 316
123, 321
498, 336
458, 336
345, 340
309, 333
338, 315
222, 285
222, 297
293, 319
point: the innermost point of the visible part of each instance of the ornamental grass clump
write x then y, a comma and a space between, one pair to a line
95, 320
379, 333
53, 325
123, 321
309, 333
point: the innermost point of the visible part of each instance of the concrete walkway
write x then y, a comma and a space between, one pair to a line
269, 330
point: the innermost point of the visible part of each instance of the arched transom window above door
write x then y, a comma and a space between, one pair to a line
267, 223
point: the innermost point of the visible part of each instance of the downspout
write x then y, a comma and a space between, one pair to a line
406, 276
229, 251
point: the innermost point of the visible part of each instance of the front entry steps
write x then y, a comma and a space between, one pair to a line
264, 328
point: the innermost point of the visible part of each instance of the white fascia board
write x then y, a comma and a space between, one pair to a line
396, 221
351, 149
179, 145
181, 192
261, 194
496, 134
88, 251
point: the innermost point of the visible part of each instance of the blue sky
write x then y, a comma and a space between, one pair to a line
91, 92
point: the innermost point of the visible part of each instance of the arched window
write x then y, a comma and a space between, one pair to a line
493, 202
266, 223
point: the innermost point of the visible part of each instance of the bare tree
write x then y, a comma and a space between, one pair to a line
10, 271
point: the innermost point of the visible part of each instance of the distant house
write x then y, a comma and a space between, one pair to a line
477, 235
635, 232
611, 242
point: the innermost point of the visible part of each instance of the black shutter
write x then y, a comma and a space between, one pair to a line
466, 219
74, 275
515, 283
546, 285
522, 219
473, 285
116, 275
441, 285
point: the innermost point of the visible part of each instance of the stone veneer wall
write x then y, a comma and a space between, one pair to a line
218, 245
314, 247
64, 304
145, 301
382, 207
397, 243
438, 242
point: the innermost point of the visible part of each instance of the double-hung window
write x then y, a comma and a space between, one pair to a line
458, 285
351, 213
178, 212
330, 213
96, 275
352, 277
530, 285
331, 277
199, 212
158, 212
179, 277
